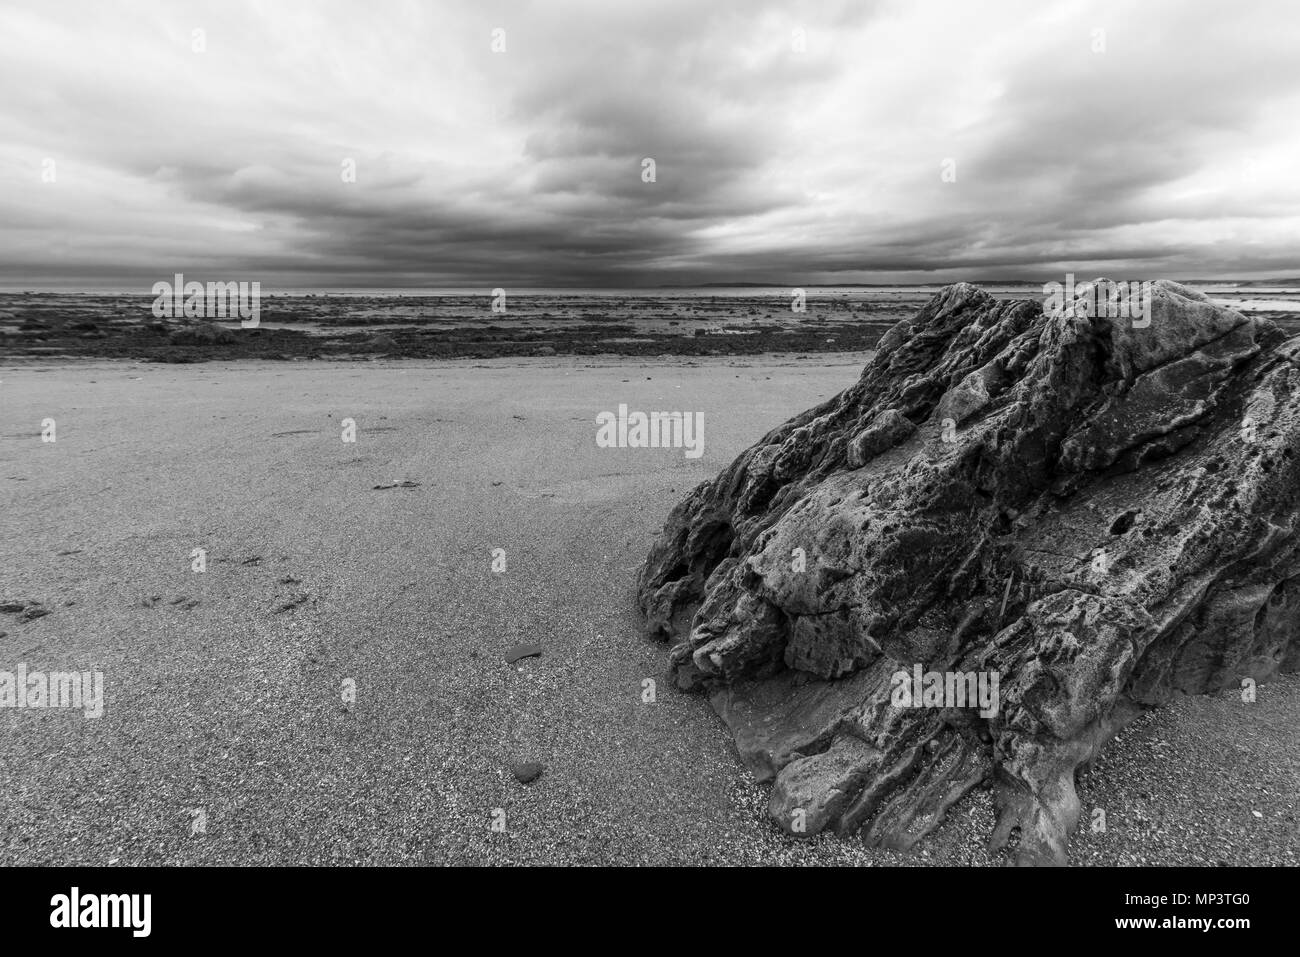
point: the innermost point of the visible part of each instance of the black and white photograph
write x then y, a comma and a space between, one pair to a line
753, 434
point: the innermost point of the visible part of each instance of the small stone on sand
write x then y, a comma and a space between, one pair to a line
526, 772
522, 651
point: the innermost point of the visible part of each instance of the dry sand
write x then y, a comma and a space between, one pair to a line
314, 576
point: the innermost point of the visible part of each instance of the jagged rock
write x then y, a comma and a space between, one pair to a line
1097, 513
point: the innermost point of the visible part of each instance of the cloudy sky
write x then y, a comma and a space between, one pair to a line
792, 143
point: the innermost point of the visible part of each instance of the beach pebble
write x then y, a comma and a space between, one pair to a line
522, 651
526, 772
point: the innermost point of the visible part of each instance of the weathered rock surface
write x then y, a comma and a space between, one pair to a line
1099, 514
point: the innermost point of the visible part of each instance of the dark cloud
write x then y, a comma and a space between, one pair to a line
1162, 145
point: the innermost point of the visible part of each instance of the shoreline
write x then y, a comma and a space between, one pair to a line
365, 328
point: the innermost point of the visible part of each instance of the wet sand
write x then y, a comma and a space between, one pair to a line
234, 705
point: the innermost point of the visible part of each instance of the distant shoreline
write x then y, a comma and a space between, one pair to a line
688, 321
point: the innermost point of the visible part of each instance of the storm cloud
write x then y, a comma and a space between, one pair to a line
800, 143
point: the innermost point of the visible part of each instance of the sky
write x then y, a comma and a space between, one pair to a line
380, 143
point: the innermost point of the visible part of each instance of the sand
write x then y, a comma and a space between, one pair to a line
234, 705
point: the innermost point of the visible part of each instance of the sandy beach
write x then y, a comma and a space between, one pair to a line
223, 688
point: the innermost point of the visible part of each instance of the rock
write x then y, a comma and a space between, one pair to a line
517, 652
544, 351
384, 341
1015, 533
202, 334
885, 431
526, 772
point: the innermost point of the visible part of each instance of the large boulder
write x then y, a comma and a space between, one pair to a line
1075, 517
